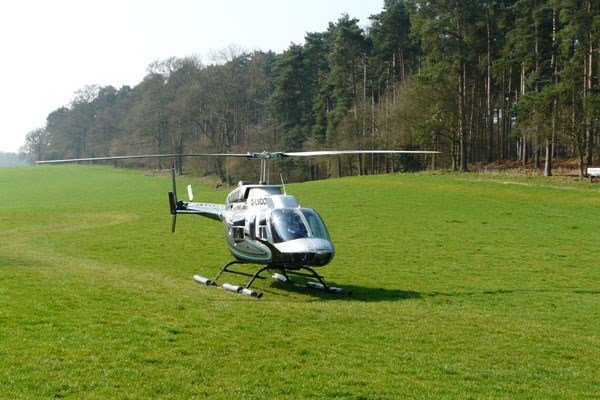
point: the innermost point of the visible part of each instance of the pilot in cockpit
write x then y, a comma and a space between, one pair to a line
296, 227
288, 225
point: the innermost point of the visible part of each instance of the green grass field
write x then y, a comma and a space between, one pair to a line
464, 286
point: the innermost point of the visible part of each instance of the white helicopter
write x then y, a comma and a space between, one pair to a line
264, 226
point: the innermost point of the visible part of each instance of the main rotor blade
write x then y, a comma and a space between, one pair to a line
68, 160
339, 152
261, 155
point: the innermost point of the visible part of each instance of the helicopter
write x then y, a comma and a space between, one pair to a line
264, 226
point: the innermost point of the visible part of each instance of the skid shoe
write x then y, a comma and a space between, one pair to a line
319, 285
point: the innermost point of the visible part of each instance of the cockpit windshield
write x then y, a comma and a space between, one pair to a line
315, 223
291, 223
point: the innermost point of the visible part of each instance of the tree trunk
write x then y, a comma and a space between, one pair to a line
523, 138
461, 92
548, 162
434, 156
589, 136
550, 140
490, 110
579, 141
536, 149
360, 164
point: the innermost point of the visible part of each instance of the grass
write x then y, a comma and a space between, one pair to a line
464, 286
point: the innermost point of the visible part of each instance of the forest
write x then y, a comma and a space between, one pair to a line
480, 81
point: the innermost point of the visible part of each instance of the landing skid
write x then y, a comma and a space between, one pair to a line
282, 274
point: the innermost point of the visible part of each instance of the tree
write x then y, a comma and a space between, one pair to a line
445, 29
291, 101
579, 38
36, 144
348, 50
394, 50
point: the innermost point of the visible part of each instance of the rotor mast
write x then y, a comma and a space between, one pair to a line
264, 171
264, 158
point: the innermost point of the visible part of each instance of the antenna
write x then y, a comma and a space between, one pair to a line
282, 183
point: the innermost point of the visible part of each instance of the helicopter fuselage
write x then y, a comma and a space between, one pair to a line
264, 226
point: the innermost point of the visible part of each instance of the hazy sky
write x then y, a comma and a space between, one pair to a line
52, 48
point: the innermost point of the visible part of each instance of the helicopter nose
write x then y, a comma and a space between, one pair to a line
307, 251
319, 259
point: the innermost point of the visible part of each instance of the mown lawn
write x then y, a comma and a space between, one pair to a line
464, 286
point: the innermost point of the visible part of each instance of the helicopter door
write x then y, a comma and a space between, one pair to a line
250, 230
262, 228
236, 230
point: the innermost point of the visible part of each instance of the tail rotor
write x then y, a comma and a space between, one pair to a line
173, 200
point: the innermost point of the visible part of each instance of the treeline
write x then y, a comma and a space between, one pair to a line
480, 81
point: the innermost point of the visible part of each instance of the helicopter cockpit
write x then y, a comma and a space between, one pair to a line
297, 223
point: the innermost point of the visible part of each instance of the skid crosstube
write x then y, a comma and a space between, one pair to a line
281, 274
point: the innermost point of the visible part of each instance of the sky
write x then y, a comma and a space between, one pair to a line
50, 49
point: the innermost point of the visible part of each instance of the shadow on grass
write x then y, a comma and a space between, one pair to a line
368, 294
353, 293
508, 291
7, 263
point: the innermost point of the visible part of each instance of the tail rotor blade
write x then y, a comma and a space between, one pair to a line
173, 209
172, 203
173, 200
